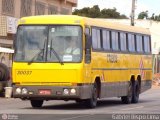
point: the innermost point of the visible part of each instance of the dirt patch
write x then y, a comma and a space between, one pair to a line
156, 81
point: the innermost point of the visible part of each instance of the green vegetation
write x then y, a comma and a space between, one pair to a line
144, 15
95, 12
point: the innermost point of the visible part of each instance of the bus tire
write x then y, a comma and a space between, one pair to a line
92, 102
4, 77
78, 101
135, 93
4, 72
36, 103
127, 99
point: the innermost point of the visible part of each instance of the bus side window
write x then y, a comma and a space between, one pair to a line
99, 39
123, 41
147, 44
115, 43
96, 38
131, 42
106, 40
139, 43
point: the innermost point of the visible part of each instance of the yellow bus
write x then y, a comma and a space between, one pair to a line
66, 57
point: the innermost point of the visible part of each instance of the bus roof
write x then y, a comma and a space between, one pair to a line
76, 20
116, 26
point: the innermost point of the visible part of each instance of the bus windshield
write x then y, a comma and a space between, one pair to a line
55, 43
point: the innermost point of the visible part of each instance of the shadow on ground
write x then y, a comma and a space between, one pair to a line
78, 106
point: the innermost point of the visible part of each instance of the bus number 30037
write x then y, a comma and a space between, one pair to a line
24, 72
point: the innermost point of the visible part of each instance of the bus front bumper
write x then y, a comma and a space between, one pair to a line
52, 92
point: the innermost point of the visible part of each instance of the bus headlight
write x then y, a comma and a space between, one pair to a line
73, 91
18, 90
24, 91
66, 92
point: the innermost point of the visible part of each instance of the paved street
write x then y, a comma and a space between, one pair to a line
149, 103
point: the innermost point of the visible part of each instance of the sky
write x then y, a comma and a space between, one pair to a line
124, 6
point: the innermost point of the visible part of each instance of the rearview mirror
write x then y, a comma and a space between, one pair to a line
88, 41
88, 44
14, 40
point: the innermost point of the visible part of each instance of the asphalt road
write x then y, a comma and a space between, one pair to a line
60, 110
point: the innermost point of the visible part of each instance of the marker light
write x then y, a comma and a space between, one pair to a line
24, 91
66, 92
18, 90
73, 91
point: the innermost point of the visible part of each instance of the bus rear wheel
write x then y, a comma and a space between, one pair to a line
133, 94
36, 103
136, 92
127, 99
92, 102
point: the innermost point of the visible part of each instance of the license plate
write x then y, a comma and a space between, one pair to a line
45, 92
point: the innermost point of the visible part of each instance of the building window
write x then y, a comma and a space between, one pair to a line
8, 7
52, 9
64, 11
40, 8
26, 8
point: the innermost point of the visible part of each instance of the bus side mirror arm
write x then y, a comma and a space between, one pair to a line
14, 41
88, 44
14, 45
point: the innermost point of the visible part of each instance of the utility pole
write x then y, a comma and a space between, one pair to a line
133, 12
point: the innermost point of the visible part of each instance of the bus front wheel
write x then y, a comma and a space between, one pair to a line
36, 103
92, 102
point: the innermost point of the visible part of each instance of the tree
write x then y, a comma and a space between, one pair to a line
143, 15
95, 12
82, 12
110, 13
123, 16
157, 18
153, 17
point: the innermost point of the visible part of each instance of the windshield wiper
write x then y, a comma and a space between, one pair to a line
41, 50
55, 53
